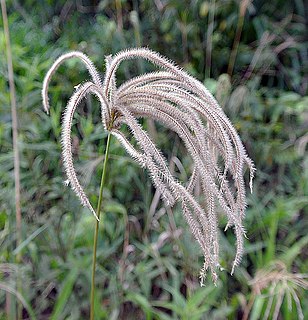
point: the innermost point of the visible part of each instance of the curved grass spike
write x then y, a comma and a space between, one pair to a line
181, 103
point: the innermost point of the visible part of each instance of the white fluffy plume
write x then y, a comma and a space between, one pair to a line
182, 104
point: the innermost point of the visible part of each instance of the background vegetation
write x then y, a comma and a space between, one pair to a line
253, 57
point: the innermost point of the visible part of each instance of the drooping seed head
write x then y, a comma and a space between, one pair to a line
182, 104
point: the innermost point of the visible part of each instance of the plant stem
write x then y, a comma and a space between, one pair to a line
240, 22
15, 145
119, 15
99, 205
209, 37
14, 123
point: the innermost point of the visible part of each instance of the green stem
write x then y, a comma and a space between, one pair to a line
99, 205
15, 152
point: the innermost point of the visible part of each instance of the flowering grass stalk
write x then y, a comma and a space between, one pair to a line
181, 103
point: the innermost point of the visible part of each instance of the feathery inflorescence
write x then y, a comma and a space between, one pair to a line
182, 104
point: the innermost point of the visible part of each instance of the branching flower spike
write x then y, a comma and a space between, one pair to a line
181, 103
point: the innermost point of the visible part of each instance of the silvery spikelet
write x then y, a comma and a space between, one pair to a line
182, 104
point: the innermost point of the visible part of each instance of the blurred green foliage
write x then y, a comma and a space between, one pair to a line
148, 263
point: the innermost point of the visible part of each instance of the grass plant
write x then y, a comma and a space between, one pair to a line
147, 262
185, 106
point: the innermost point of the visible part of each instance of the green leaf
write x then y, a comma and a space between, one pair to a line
30, 238
257, 308
142, 302
289, 256
64, 294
